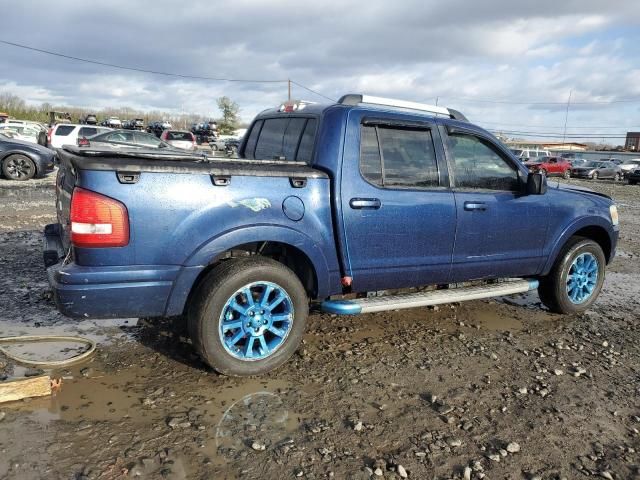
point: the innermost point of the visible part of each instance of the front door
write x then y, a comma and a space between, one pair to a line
397, 210
501, 231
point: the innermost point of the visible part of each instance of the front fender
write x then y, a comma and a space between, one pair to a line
326, 269
572, 228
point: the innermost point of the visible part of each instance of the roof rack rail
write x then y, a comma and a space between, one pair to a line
357, 99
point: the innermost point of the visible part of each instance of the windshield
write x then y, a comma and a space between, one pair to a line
516, 152
631, 162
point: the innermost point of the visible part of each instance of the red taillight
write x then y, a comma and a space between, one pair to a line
98, 221
49, 134
83, 142
193, 138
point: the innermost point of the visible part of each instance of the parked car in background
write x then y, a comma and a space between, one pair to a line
158, 127
550, 166
20, 160
27, 132
113, 122
577, 161
232, 146
597, 169
628, 166
135, 124
129, 139
617, 161
633, 177
205, 132
90, 119
526, 154
69, 133
181, 139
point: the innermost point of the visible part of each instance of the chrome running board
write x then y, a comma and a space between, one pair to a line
423, 299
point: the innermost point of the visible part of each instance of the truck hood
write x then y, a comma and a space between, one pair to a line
581, 190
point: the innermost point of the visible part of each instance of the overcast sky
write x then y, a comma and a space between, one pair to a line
460, 51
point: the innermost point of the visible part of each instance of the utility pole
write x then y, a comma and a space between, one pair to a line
566, 117
437, 99
289, 89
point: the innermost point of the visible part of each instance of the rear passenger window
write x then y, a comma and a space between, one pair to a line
87, 131
476, 165
287, 138
398, 157
63, 130
305, 150
250, 148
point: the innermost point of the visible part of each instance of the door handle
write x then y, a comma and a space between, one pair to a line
360, 203
475, 206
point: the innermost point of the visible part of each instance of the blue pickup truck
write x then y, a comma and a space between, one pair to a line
365, 205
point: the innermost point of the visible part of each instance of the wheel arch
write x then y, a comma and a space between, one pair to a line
288, 247
593, 228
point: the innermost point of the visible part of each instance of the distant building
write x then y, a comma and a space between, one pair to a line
554, 146
633, 141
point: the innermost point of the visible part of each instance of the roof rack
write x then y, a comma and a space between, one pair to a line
357, 99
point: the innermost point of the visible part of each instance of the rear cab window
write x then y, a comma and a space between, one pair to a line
284, 138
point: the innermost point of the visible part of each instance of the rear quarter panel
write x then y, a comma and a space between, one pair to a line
183, 219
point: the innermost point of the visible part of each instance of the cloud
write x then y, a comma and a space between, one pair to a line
416, 50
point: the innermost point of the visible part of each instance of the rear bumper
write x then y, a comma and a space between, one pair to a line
106, 291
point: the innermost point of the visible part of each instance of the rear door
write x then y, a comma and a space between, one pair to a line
398, 212
500, 230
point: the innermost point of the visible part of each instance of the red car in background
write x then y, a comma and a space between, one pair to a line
550, 166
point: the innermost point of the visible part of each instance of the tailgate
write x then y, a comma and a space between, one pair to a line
65, 182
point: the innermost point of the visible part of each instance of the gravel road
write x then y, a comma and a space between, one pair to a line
486, 389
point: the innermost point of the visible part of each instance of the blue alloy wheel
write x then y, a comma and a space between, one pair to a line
256, 321
582, 278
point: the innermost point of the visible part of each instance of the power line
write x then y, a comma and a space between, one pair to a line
519, 102
157, 72
136, 69
619, 127
556, 135
312, 91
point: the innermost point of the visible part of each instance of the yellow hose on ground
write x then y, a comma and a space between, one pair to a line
48, 338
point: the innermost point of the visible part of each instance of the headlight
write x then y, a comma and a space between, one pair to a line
613, 210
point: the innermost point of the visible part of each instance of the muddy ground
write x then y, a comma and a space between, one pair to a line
498, 389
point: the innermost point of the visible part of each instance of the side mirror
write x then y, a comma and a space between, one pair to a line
536, 184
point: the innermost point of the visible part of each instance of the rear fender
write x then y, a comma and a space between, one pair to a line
207, 253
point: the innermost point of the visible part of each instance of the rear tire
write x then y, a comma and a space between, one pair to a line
632, 182
567, 174
575, 280
18, 167
241, 336
594, 176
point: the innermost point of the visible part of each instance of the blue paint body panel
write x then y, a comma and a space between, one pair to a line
180, 223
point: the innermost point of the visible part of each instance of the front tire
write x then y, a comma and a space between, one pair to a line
248, 316
567, 174
18, 167
594, 176
575, 280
